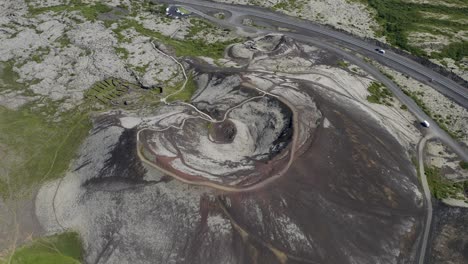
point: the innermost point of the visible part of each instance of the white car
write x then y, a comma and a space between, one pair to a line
381, 51
424, 123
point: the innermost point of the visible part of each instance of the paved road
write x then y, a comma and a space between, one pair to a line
334, 41
323, 38
400, 63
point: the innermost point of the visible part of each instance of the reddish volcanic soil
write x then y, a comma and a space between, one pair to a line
345, 192
350, 197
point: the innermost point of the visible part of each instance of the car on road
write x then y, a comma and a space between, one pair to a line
381, 51
176, 12
424, 123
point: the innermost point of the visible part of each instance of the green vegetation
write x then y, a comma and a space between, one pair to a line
455, 51
442, 188
289, 5
40, 53
190, 47
343, 64
398, 18
37, 58
64, 41
122, 52
220, 16
379, 94
183, 10
39, 140
39, 143
186, 94
198, 26
108, 91
464, 165
89, 11
8, 77
141, 69
161, 9
65, 248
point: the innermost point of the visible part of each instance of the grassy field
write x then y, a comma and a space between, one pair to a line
65, 248
37, 148
398, 18
184, 95
8, 77
38, 141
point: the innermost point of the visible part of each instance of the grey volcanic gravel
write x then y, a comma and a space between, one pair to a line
350, 196
341, 202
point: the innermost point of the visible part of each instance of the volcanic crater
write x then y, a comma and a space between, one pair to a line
263, 165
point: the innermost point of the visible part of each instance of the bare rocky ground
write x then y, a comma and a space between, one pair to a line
348, 197
448, 246
350, 16
52, 57
62, 71
351, 193
59, 55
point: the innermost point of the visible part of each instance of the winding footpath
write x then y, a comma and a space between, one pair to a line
208, 118
228, 188
346, 45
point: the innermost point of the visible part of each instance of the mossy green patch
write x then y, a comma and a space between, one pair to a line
65, 248
379, 94
464, 165
8, 77
40, 143
108, 92
189, 47
89, 11
184, 95
198, 25
40, 53
443, 188
343, 64
64, 41
122, 52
